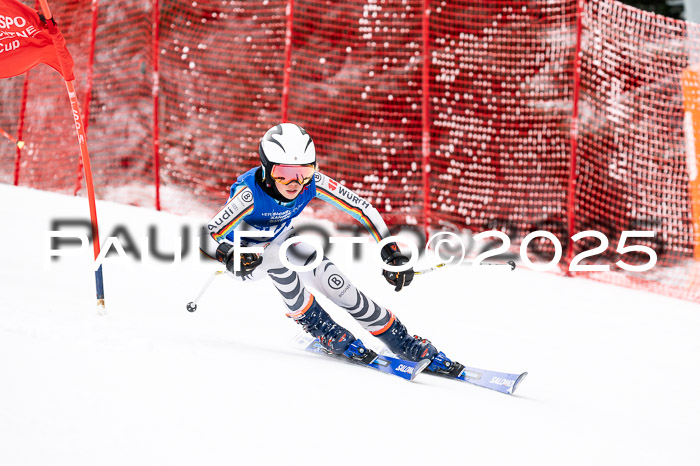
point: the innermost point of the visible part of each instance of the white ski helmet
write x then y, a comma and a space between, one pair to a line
285, 144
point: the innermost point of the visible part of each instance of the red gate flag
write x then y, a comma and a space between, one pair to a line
25, 42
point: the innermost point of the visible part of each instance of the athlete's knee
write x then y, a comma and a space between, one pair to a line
301, 254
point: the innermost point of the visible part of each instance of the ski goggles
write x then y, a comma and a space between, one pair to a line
287, 174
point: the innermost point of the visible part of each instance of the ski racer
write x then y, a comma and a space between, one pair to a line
267, 198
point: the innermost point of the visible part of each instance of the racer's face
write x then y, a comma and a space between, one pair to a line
290, 179
289, 191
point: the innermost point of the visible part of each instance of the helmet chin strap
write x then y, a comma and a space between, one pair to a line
264, 178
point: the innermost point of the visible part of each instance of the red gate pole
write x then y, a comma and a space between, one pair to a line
88, 91
287, 59
82, 142
20, 125
425, 117
155, 92
571, 214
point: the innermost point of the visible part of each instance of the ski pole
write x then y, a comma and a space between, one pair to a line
424, 271
192, 305
510, 264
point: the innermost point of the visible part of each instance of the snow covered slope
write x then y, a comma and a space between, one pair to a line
613, 372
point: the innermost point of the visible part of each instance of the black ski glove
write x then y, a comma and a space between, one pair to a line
392, 255
248, 260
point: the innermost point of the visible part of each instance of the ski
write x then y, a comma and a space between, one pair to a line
499, 381
502, 382
407, 370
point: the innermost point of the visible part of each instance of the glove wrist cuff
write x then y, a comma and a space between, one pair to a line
390, 252
223, 252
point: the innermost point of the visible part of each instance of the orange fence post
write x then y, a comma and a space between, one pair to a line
691, 101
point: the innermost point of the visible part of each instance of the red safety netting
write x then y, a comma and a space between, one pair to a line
631, 167
501, 96
441, 113
355, 84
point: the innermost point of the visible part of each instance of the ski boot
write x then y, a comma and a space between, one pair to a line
405, 346
415, 348
334, 338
